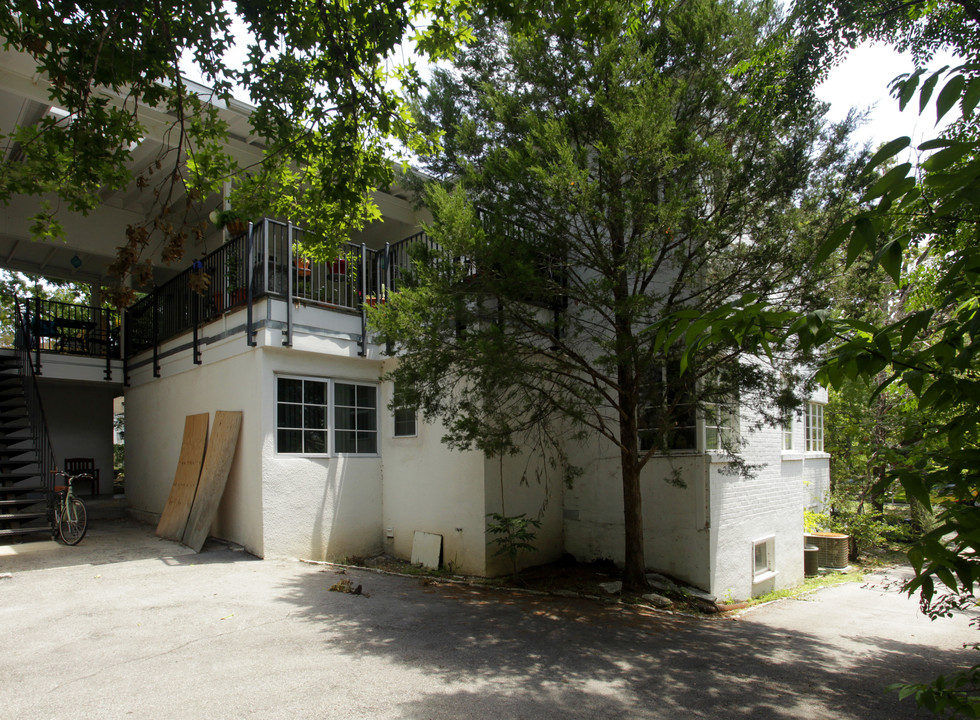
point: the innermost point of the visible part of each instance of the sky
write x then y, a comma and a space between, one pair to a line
861, 81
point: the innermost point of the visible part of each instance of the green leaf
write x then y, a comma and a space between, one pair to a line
927, 87
890, 259
833, 242
948, 96
913, 325
946, 157
886, 181
888, 150
971, 97
906, 88
865, 236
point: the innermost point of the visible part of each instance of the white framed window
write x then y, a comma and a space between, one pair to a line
302, 415
814, 427
788, 432
720, 425
404, 414
763, 558
305, 407
355, 418
668, 393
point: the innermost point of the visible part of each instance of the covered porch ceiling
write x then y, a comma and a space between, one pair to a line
92, 239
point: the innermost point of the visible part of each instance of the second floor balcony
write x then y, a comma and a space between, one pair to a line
264, 263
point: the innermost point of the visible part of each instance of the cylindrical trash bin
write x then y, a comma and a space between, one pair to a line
810, 565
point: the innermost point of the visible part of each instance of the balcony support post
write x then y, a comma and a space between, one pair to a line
249, 273
195, 318
288, 332
362, 274
156, 331
34, 327
105, 325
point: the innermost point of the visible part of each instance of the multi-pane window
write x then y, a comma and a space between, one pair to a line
720, 425
788, 432
301, 416
303, 412
355, 418
405, 423
667, 416
814, 427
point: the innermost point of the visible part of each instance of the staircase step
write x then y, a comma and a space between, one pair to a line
9, 467
9, 442
21, 490
16, 476
20, 502
21, 517
25, 531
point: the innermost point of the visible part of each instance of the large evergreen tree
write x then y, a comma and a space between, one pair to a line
607, 166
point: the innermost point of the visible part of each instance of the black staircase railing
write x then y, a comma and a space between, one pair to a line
37, 422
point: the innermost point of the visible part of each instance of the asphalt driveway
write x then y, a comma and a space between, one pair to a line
127, 625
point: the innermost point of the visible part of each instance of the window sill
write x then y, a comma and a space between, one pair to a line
817, 455
790, 455
762, 577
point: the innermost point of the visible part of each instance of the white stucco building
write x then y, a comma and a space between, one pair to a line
323, 469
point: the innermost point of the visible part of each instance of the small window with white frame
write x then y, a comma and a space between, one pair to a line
406, 424
788, 431
814, 427
763, 558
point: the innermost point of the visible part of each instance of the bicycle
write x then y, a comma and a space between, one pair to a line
70, 517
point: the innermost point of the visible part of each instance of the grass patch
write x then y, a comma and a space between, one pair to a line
810, 584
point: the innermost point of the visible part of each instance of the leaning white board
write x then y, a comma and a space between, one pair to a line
426, 549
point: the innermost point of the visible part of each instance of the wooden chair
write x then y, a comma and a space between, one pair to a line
74, 466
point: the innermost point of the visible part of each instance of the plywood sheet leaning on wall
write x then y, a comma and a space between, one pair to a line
214, 476
173, 519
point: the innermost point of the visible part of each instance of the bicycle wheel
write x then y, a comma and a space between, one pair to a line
73, 522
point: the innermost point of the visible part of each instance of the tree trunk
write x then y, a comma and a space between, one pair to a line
634, 568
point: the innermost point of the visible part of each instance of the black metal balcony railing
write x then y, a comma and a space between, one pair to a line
266, 263
68, 329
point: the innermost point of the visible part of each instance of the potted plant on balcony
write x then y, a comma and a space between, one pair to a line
234, 281
229, 220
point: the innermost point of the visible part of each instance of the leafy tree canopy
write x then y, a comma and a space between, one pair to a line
605, 166
320, 74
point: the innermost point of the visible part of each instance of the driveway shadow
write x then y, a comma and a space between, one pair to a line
540, 657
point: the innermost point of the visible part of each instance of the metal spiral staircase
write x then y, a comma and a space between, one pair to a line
26, 459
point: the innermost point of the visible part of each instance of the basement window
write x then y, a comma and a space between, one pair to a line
763, 558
